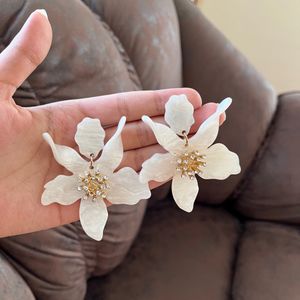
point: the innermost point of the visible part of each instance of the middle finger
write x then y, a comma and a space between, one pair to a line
138, 135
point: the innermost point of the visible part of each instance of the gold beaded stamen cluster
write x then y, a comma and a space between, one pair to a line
190, 163
93, 183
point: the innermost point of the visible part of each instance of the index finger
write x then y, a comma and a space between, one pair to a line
133, 105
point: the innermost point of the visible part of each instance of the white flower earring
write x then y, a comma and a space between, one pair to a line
93, 180
187, 157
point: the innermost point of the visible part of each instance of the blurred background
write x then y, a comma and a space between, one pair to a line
266, 31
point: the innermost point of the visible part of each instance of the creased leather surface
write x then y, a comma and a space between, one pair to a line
12, 286
177, 256
109, 46
268, 265
271, 191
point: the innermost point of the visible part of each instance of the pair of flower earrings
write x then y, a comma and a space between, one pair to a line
95, 180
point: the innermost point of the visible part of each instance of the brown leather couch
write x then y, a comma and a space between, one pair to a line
242, 241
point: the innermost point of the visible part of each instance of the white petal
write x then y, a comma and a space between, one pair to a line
90, 137
184, 191
220, 163
66, 156
126, 188
208, 130
112, 153
93, 216
165, 136
179, 114
160, 167
62, 189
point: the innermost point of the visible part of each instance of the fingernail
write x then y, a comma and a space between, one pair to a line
42, 12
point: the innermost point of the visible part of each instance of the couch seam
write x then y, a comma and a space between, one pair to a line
133, 75
235, 258
125, 57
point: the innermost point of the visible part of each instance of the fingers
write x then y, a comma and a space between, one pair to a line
133, 105
27, 50
205, 111
135, 158
137, 134
109, 109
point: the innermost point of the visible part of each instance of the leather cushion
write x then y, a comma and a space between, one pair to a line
268, 265
271, 188
176, 256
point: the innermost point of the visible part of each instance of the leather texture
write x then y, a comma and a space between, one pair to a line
271, 191
268, 265
241, 242
177, 256
12, 284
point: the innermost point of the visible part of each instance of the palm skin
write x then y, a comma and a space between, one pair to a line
27, 163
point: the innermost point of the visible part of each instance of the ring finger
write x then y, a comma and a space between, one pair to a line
138, 135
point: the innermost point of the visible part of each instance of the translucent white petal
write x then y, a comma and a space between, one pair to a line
112, 153
66, 156
160, 167
126, 188
179, 114
62, 190
165, 136
208, 130
220, 163
90, 137
184, 191
93, 216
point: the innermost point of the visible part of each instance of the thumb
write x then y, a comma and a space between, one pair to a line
26, 51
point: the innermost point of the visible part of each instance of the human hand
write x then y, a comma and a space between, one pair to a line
26, 160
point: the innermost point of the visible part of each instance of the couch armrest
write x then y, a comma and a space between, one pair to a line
271, 190
213, 67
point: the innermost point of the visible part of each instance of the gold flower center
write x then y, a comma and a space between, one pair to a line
190, 164
93, 183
